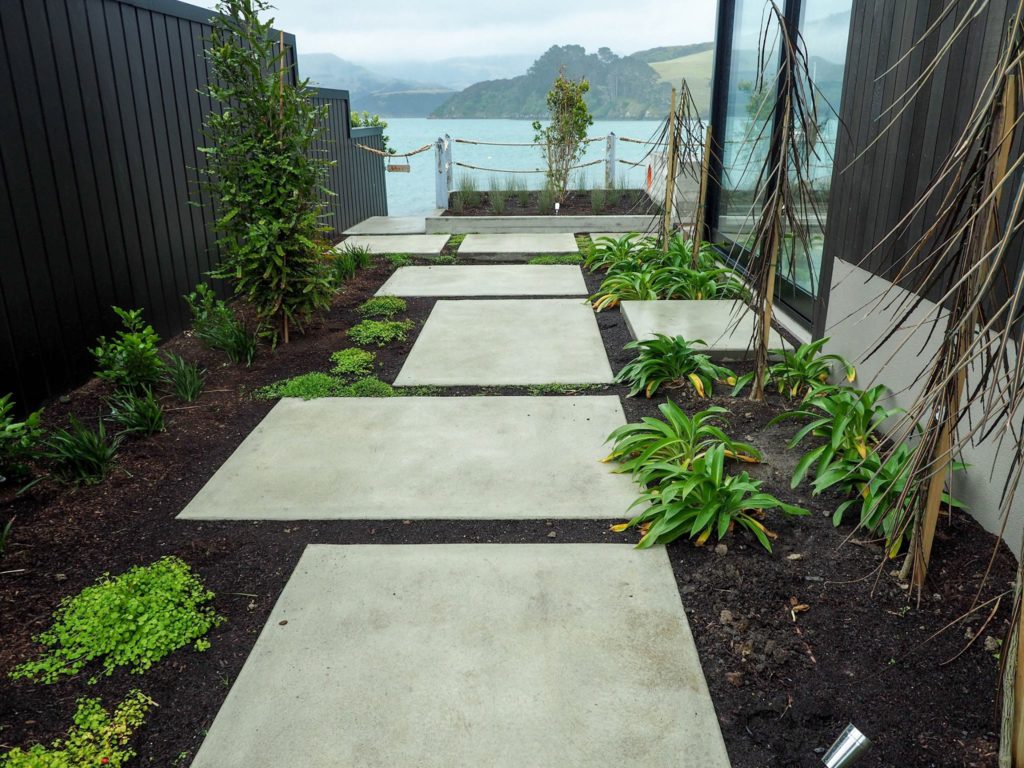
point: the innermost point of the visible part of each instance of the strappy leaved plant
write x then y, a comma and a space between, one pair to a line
671, 362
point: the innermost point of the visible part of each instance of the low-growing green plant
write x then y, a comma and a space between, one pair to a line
680, 253
19, 440
456, 203
369, 387
133, 620
382, 306
308, 386
380, 332
557, 258
520, 190
626, 286
468, 190
801, 370
215, 324
610, 252
454, 242
397, 260
654, 448
183, 378
352, 362
445, 259
97, 737
670, 362
598, 200
880, 490
346, 260
652, 282
546, 198
497, 196
82, 455
848, 422
138, 413
536, 390
702, 500
130, 359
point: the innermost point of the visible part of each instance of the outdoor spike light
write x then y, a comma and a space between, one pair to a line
557, 206
847, 749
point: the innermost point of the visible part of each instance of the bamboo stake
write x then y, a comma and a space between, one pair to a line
670, 174
698, 222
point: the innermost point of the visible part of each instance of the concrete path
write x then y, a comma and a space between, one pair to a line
713, 321
486, 280
446, 458
496, 655
418, 245
390, 225
520, 245
508, 342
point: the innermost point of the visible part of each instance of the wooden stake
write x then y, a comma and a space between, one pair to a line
698, 222
670, 174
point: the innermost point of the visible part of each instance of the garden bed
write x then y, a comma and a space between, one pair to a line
578, 203
783, 684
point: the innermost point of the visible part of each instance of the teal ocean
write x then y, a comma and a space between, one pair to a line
413, 193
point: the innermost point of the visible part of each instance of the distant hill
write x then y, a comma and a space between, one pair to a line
666, 52
372, 91
693, 67
459, 72
620, 87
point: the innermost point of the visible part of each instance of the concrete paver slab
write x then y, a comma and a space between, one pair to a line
423, 457
486, 280
713, 321
390, 225
497, 655
508, 342
419, 245
517, 245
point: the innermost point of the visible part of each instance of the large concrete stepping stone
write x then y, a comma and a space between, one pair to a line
496, 655
508, 342
517, 245
472, 458
390, 225
713, 321
417, 245
486, 280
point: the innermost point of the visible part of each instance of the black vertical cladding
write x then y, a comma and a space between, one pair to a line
101, 124
874, 185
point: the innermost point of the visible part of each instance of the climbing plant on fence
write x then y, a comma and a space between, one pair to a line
263, 170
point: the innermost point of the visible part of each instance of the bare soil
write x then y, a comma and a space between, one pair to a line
784, 684
579, 203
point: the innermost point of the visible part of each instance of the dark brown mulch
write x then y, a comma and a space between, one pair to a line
783, 684
618, 202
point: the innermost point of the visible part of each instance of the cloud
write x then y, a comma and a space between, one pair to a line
413, 29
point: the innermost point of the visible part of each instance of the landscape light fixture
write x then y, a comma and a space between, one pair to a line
847, 749
557, 206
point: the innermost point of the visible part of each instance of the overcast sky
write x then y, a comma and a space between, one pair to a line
419, 29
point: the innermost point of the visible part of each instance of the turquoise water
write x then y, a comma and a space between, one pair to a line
413, 193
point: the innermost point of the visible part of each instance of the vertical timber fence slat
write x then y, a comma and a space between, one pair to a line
101, 121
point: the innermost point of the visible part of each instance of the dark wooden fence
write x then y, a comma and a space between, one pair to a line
100, 124
875, 184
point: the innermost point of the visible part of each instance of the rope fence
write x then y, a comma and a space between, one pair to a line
519, 144
628, 140
374, 151
515, 170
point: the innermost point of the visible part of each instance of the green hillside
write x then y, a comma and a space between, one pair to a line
666, 52
695, 68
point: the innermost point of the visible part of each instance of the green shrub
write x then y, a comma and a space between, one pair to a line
562, 141
397, 260
130, 359
19, 440
308, 386
184, 379
352, 362
264, 171
801, 370
654, 448
369, 387
667, 361
380, 332
137, 413
347, 260
82, 455
133, 620
382, 306
546, 201
702, 500
216, 325
558, 258
97, 738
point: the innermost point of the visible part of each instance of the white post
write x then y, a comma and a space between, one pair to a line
449, 165
441, 175
609, 161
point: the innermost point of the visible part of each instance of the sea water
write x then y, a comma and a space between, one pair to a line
412, 193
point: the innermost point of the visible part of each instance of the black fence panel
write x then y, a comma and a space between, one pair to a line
101, 121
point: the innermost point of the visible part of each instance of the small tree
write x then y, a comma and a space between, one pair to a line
365, 120
263, 171
562, 141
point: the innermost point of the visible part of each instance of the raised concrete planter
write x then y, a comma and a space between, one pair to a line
464, 225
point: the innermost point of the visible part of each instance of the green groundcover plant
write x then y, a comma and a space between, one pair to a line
19, 440
352, 362
133, 620
380, 332
315, 385
385, 307
98, 738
